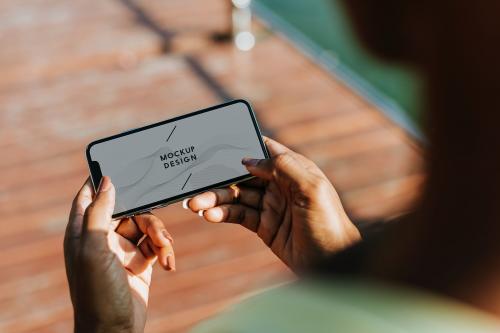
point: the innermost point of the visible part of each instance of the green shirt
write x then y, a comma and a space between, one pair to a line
350, 307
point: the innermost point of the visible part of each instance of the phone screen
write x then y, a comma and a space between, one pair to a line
177, 158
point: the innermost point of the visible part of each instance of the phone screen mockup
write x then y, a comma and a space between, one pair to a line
165, 162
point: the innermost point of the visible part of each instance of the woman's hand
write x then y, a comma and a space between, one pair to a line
108, 273
291, 205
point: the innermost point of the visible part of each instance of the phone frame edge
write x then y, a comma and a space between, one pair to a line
171, 200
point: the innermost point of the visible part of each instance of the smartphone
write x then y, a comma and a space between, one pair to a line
159, 164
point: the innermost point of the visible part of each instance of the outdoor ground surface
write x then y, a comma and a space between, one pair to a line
74, 71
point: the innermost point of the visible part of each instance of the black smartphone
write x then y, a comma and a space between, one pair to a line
162, 163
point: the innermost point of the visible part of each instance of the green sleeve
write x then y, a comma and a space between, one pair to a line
349, 307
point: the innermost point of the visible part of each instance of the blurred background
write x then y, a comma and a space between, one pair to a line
75, 71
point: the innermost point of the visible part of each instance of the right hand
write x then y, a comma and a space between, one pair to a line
291, 205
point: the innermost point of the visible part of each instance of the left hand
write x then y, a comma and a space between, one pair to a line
109, 275
291, 205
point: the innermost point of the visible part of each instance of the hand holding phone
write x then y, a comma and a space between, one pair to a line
162, 163
291, 205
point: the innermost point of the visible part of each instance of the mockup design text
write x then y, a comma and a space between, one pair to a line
178, 157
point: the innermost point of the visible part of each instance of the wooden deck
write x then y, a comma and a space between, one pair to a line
73, 71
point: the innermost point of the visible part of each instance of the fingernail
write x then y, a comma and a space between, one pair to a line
185, 203
167, 236
200, 212
105, 184
250, 161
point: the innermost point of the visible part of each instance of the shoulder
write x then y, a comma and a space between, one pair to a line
348, 307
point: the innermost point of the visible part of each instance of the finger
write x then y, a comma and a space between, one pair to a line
240, 214
128, 229
284, 165
274, 147
82, 200
247, 196
152, 226
165, 254
73, 231
99, 214
261, 168
147, 250
254, 182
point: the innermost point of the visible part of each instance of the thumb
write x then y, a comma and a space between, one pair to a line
284, 165
99, 214
282, 162
259, 168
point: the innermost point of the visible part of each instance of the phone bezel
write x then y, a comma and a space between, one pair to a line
168, 201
